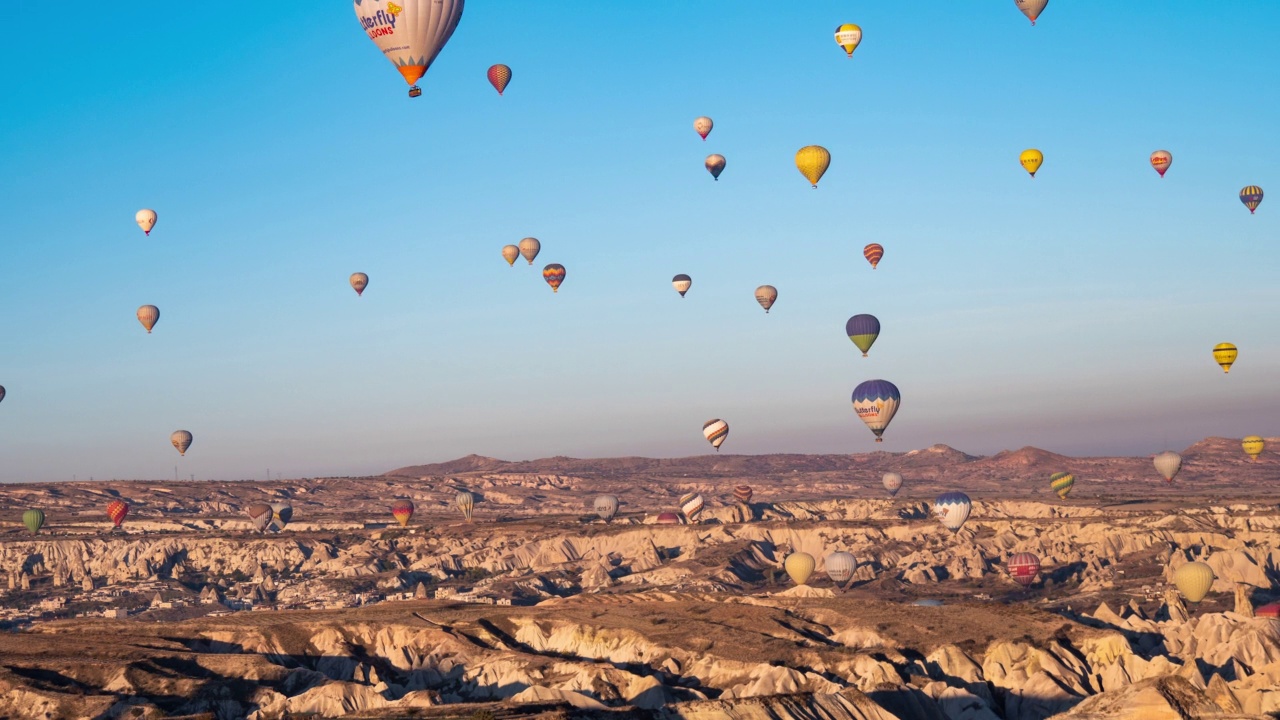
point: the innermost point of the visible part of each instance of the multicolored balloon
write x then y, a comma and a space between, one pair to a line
1023, 568
766, 295
499, 75
1253, 446
1161, 160
117, 510
359, 281
606, 506
181, 439
743, 494
691, 505
1194, 580
1031, 160
1168, 464
715, 431
402, 510
876, 402
146, 220
840, 567
1251, 196
34, 520
682, 283
281, 514
848, 36
863, 331
892, 482
466, 502
873, 253
952, 509
554, 275
703, 126
410, 33
148, 315
1031, 8
715, 165
799, 566
529, 248
1062, 483
1225, 355
510, 253
812, 161
260, 515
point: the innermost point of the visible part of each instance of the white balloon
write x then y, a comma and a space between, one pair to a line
411, 33
146, 219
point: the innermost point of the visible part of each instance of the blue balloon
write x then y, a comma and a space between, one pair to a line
876, 402
952, 509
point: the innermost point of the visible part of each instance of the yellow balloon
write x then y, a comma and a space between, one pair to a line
799, 566
813, 161
848, 36
1225, 354
1194, 580
1253, 446
1031, 160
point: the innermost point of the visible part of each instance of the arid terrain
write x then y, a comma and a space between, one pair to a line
538, 607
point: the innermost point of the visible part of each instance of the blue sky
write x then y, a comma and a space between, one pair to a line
1075, 311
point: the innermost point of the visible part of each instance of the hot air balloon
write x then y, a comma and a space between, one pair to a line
281, 514
1253, 446
1062, 483
148, 315
146, 220
848, 36
34, 520
863, 331
1194, 580
681, 283
1031, 8
812, 161
410, 33
466, 502
181, 440
840, 567
743, 494
1168, 464
952, 509
766, 295
260, 515
873, 253
117, 510
1225, 355
669, 518
606, 507
529, 248
703, 126
1161, 160
892, 482
715, 165
554, 275
1, 392
1251, 196
715, 431
499, 76
402, 511
510, 253
691, 505
1023, 568
359, 281
1031, 160
876, 402
799, 566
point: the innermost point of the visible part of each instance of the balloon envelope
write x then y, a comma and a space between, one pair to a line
510, 253
863, 331
1225, 355
281, 514
1168, 464
1023, 568
876, 402
146, 220
117, 510
1062, 483
606, 506
466, 502
359, 281
148, 315
402, 511
766, 295
34, 520
840, 567
1194, 580
1161, 160
892, 482
1253, 446
848, 36
703, 126
873, 253
260, 515
181, 439
1, 392
410, 33
682, 283
499, 75
743, 494
799, 566
1031, 160
554, 275
812, 161
529, 248
691, 505
1251, 196
952, 509
669, 518
1031, 8
715, 431
715, 165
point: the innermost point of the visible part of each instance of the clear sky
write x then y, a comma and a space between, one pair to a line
1075, 311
